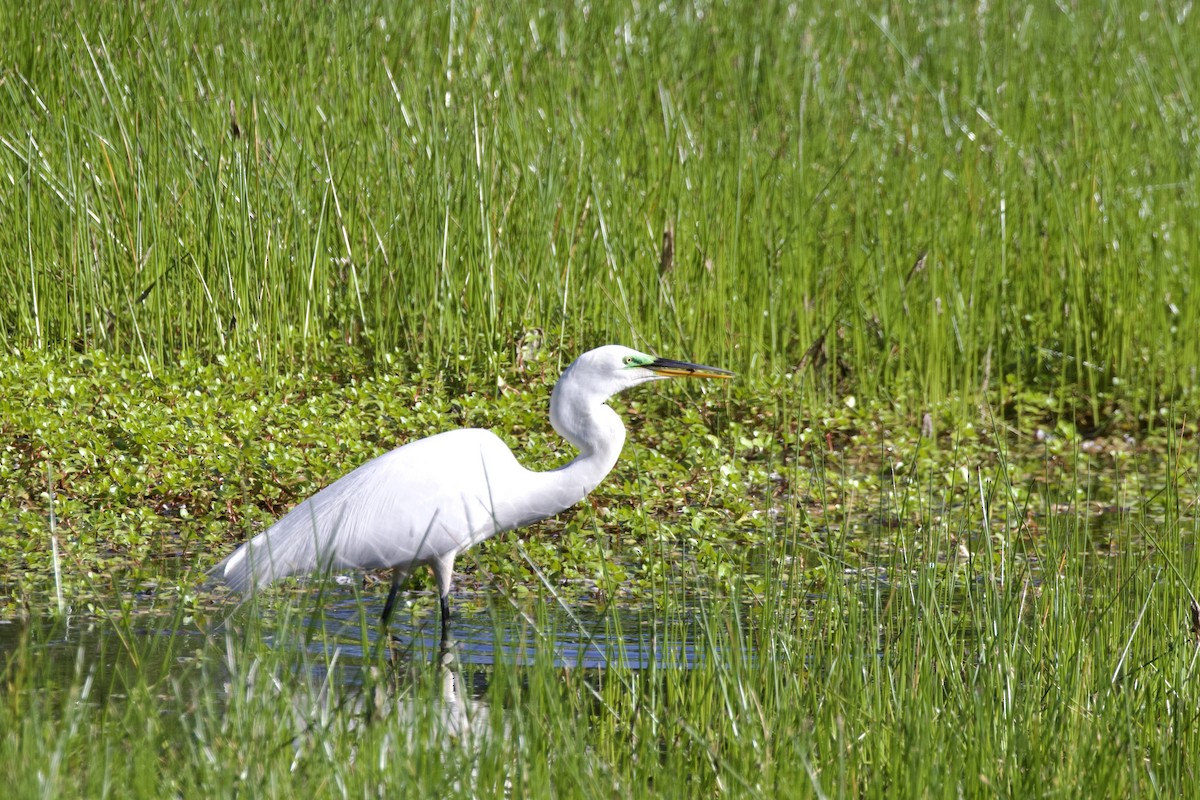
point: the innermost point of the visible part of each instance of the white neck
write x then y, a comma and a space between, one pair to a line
584, 420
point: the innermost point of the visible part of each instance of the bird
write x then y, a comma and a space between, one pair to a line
425, 502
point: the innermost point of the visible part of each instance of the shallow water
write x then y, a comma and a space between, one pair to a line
582, 637
331, 629
339, 639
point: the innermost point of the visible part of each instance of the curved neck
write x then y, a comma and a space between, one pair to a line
584, 420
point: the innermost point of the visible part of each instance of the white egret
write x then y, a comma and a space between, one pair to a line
426, 502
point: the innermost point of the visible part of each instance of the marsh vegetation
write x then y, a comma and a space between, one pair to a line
938, 539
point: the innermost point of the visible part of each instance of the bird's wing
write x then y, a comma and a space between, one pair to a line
409, 506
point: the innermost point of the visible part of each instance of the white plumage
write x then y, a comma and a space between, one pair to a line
426, 502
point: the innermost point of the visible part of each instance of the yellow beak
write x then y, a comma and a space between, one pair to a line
682, 369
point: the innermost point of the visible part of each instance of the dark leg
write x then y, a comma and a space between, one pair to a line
399, 576
443, 570
446, 622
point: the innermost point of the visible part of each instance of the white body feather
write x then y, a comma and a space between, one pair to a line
426, 502
419, 503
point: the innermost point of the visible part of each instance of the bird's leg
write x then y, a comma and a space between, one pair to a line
399, 576
446, 643
443, 569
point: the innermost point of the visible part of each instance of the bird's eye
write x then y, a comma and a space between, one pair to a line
628, 359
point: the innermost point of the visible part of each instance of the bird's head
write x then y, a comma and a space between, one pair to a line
611, 369
577, 409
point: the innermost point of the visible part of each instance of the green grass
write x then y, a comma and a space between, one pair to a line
847, 648
950, 249
943, 198
1040, 664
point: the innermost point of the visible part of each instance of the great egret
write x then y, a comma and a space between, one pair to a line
426, 502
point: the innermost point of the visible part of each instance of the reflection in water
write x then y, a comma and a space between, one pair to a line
342, 656
460, 716
454, 713
581, 638
335, 648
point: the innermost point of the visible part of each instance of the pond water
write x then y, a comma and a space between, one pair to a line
328, 631
339, 638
